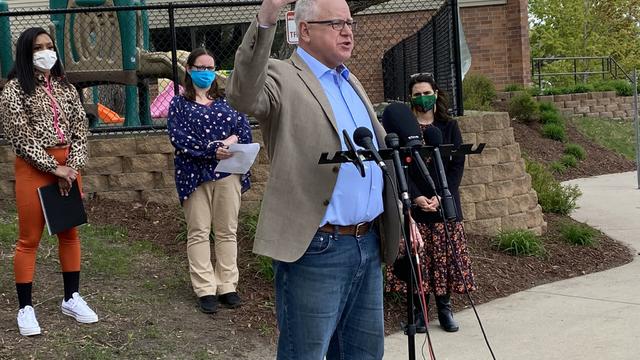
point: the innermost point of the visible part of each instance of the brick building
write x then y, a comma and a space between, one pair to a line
496, 31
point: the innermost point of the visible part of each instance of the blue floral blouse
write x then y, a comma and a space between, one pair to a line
196, 131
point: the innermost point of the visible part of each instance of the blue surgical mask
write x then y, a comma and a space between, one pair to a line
202, 78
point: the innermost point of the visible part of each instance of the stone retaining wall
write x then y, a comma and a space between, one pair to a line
604, 104
495, 193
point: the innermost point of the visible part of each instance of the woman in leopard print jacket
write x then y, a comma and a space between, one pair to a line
43, 119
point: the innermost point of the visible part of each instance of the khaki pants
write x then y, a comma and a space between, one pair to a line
216, 202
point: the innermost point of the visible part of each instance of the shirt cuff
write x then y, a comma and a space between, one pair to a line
261, 26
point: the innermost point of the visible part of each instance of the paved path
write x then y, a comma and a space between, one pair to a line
596, 316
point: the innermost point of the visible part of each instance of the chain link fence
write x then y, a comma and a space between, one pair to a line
126, 57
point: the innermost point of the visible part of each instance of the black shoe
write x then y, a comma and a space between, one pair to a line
208, 304
421, 326
230, 300
445, 314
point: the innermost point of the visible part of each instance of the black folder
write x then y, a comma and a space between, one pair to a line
62, 212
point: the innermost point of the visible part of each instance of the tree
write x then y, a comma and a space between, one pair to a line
561, 28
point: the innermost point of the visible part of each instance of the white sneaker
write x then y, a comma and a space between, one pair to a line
77, 308
27, 322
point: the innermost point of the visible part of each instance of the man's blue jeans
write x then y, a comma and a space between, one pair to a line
329, 302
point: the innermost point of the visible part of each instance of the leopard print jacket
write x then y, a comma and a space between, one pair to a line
28, 123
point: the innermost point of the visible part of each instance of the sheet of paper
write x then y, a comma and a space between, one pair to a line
243, 157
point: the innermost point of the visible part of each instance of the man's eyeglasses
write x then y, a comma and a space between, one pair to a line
336, 24
203, 68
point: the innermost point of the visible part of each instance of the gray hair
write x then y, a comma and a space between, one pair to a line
305, 10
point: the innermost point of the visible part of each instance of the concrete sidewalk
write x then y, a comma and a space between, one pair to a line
596, 316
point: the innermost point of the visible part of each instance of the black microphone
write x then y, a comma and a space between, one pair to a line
398, 118
364, 138
352, 152
393, 142
433, 137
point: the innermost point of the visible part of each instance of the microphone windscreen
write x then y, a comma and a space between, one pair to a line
398, 118
392, 141
432, 136
360, 134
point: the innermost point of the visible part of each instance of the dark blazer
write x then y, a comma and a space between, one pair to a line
453, 167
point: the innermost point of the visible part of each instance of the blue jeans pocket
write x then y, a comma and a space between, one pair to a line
320, 243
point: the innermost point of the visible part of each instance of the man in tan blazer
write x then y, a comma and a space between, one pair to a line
326, 227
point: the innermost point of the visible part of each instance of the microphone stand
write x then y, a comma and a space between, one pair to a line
401, 169
393, 152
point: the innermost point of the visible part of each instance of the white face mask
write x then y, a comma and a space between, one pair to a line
44, 59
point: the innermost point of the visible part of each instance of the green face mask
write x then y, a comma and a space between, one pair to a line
424, 103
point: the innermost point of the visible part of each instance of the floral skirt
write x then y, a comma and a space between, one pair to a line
437, 263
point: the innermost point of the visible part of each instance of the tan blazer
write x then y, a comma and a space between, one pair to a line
297, 124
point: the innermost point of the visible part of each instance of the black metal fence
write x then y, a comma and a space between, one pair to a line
127, 57
433, 49
562, 71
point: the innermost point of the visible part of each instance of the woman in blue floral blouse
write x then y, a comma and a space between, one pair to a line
201, 126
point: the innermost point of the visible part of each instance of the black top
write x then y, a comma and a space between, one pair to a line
453, 167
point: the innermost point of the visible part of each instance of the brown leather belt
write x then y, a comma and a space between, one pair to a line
353, 230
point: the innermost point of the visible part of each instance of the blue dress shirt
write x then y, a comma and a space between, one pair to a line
355, 199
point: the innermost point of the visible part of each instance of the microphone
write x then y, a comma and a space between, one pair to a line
352, 152
364, 138
393, 142
433, 137
398, 118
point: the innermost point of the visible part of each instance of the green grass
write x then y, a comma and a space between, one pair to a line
576, 150
616, 135
568, 161
105, 249
265, 268
519, 243
554, 131
578, 234
557, 167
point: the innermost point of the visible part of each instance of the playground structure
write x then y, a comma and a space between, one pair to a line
104, 48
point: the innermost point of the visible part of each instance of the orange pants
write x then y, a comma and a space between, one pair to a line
31, 220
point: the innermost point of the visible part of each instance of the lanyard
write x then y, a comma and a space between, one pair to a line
54, 108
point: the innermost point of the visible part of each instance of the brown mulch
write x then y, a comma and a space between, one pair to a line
599, 160
498, 274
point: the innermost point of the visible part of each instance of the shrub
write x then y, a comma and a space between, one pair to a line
576, 150
551, 117
581, 88
621, 87
522, 107
552, 196
556, 91
519, 243
605, 86
569, 160
534, 90
547, 106
476, 104
557, 167
513, 87
554, 131
578, 234
478, 91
